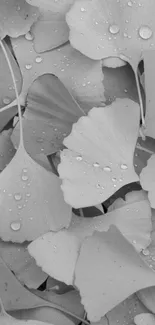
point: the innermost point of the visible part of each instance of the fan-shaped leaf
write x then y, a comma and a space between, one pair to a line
82, 76
30, 196
49, 116
111, 273
101, 28
16, 17
99, 158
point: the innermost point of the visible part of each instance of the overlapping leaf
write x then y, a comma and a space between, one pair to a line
101, 28
82, 76
147, 179
7, 150
49, 116
99, 158
100, 288
145, 318
16, 17
61, 6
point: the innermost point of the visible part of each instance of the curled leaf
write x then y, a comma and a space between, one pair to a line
99, 158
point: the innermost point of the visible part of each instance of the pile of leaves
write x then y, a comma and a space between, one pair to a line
77, 162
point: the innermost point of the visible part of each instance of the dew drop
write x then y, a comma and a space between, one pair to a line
28, 66
130, 3
79, 158
83, 9
24, 177
40, 140
17, 196
6, 100
29, 36
24, 170
96, 164
16, 225
28, 194
114, 29
114, 179
124, 166
145, 252
38, 59
107, 169
153, 258
145, 32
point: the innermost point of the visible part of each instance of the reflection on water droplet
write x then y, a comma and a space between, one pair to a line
124, 166
107, 169
83, 9
29, 36
24, 170
6, 100
28, 66
17, 196
145, 32
24, 177
38, 59
114, 29
28, 194
16, 225
145, 252
130, 3
79, 158
114, 179
96, 164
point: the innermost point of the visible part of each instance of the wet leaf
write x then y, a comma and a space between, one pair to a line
102, 29
16, 17
49, 116
61, 6
99, 158
30, 196
82, 76
7, 150
147, 179
143, 319
100, 288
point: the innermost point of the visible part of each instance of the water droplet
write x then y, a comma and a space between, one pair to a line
83, 9
38, 59
29, 36
145, 32
107, 169
130, 3
96, 164
6, 100
114, 179
40, 140
18, 8
24, 177
16, 225
24, 170
153, 258
28, 194
28, 66
134, 242
114, 29
124, 166
145, 252
79, 158
17, 196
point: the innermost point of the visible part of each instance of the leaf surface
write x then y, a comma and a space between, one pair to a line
99, 158
147, 179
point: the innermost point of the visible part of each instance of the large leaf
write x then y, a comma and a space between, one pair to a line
49, 116
111, 273
101, 28
16, 17
99, 158
82, 76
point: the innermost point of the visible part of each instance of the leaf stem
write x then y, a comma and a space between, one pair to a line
138, 146
16, 92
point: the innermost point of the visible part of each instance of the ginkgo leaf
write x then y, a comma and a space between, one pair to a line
48, 117
6, 319
82, 76
7, 93
111, 273
101, 29
7, 150
61, 6
30, 196
59, 31
16, 17
144, 318
57, 253
147, 179
99, 158
18, 259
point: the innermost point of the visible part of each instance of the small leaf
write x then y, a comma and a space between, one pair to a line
49, 116
16, 17
81, 76
30, 196
99, 158
111, 273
